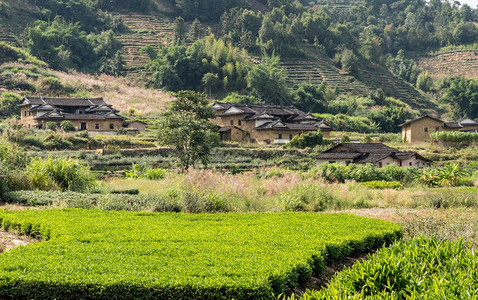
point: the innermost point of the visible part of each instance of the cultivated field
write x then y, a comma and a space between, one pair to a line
98, 254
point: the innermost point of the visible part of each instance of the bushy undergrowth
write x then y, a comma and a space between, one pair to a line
455, 137
58, 173
422, 268
363, 173
381, 184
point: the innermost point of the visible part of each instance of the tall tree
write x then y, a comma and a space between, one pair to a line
186, 127
179, 30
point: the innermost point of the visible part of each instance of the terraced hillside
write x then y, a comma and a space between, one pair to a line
379, 77
453, 63
15, 15
319, 68
143, 30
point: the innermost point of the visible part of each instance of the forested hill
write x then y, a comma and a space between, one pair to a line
375, 60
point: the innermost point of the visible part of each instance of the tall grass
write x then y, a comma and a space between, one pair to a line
59, 173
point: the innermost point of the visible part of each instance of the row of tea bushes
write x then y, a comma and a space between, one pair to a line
422, 268
123, 255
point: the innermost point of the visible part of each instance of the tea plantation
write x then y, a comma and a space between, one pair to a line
119, 255
422, 268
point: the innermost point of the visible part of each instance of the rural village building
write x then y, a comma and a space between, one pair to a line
377, 154
91, 114
264, 123
418, 130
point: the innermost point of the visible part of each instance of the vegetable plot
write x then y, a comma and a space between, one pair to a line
101, 254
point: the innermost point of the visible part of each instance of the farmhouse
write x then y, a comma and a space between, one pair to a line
377, 154
85, 113
264, 123
419, 129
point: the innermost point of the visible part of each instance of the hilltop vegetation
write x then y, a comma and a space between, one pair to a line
365, 50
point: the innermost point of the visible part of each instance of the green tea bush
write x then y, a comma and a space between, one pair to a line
51, 126
154, 174
67, 125
363, 173
380, 184
112, 255
455, 137
307, 140
422, 268
59, 173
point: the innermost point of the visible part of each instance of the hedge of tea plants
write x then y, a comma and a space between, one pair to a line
123, 255
422, 268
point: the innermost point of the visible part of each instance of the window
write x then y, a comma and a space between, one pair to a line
280, 136
380, 164
348, 162
97, 126
25, 113
437, 128
426, 129
410, 164
239, 122
29, 113
331, 161
232, 122
290, 136
112, 126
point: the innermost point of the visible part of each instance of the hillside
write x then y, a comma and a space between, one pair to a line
450, 64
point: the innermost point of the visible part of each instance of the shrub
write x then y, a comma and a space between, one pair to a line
67, 125
422, 268
51, 126
455, 137
380, 184
154, 174
9, 105
59, 173
308, 197
305, 140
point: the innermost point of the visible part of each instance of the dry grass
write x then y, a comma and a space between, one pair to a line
443, 223
121, 92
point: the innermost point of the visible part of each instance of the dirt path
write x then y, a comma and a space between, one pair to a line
9, 241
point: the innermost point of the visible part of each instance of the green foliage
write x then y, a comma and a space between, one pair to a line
11, 53
455, 137
421, 268
142, 171
381, 184
312, 98
9, 105
136, 254
67, 125
449, 175
363, 173
51, 126
64, 45
208, 64
186, 127
307, 140
267, 82
463, 97
59, 173
308, 197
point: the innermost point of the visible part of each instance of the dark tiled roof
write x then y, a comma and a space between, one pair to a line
228, 128
371, 158
468, 122
419, 118
367, 147
338, 155
278, 125
80, 102
84, 117
452, 125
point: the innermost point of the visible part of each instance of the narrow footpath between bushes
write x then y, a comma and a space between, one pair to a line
9, 241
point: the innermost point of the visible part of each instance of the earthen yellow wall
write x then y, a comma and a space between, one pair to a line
226, 120
27, 120
415, 132
260, 136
